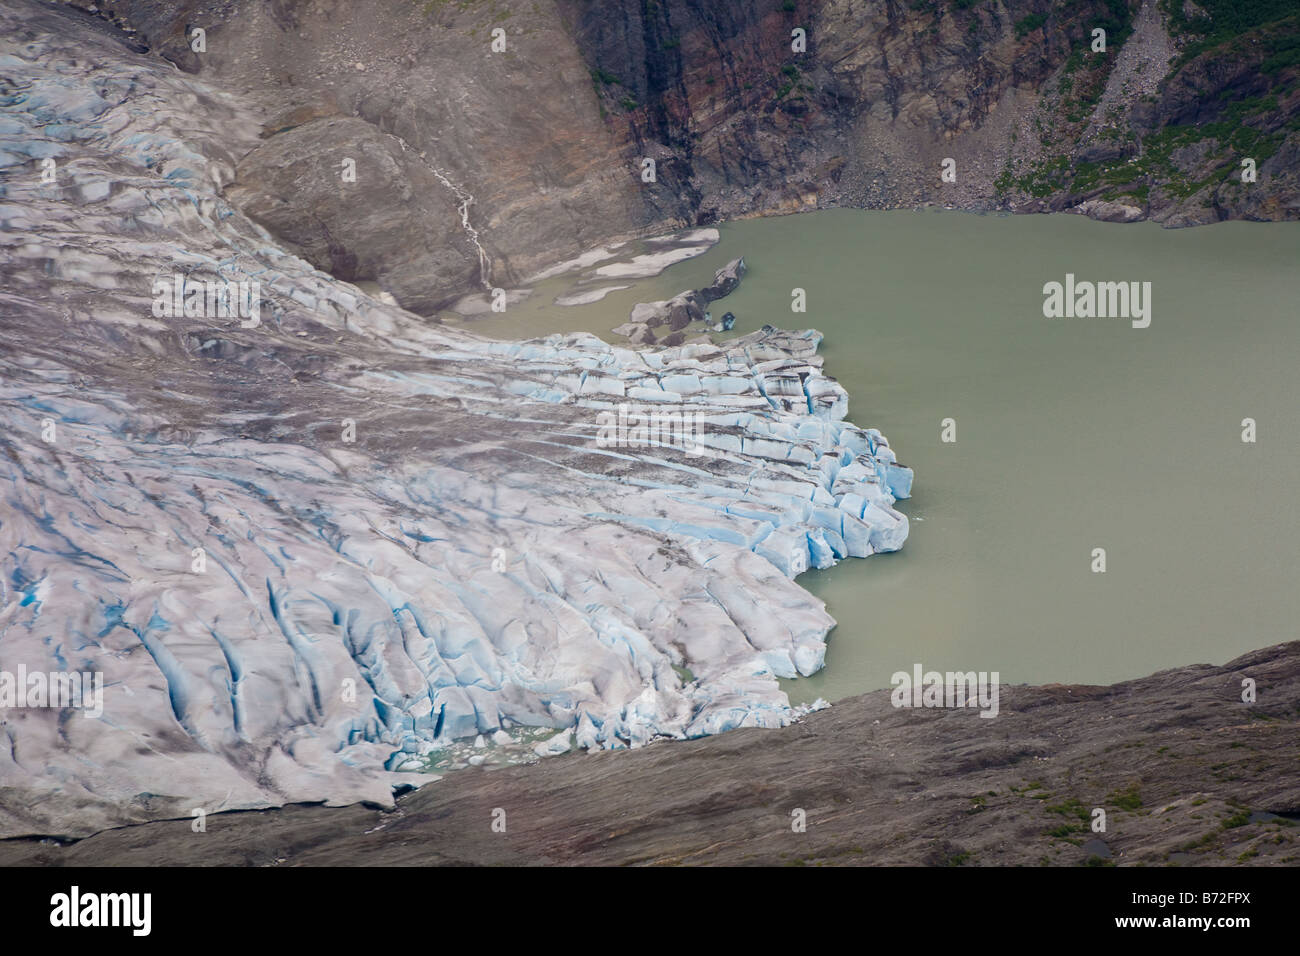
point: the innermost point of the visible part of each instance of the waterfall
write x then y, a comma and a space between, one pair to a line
484, 263
465, 200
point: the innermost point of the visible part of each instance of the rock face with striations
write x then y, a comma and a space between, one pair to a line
538, 149
1187, 774
442, 133
362, 230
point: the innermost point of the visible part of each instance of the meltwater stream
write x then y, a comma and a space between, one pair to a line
1071, 434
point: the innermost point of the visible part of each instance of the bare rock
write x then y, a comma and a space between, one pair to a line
1110, 211
725, 282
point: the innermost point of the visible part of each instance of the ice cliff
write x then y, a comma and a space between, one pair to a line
306, 554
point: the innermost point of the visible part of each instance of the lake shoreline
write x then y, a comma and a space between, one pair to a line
1185, 771
930, 315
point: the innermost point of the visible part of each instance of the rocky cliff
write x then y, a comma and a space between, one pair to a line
475, 166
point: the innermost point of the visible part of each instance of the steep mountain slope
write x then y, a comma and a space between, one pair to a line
540, 147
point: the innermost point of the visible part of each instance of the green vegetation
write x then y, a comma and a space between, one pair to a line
1084, 75
1204, 840
1126, 799
1030, 23
1118, 24
1066, 830
1239, 132
1239, 28
791, 73
1077, 820
1083, 78
1220, 21
1070, 808
1042, 179
1284, 50
1182, 160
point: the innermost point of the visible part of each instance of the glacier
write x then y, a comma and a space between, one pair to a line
306, 556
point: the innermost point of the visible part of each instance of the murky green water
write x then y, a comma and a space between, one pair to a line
1072, 434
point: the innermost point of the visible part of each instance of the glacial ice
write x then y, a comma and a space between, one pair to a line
473, 564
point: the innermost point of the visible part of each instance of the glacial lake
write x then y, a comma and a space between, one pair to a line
1071, 434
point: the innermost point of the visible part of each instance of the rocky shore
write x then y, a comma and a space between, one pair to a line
1186, 772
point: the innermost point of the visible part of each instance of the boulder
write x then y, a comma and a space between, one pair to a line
1108, 211
725, 281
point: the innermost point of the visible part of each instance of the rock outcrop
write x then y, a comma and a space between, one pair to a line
1186, 773
477, 167
645, 325
725, 281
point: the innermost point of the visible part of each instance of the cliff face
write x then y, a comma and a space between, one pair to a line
434, 121
882, 94
539, 147
1013, 93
